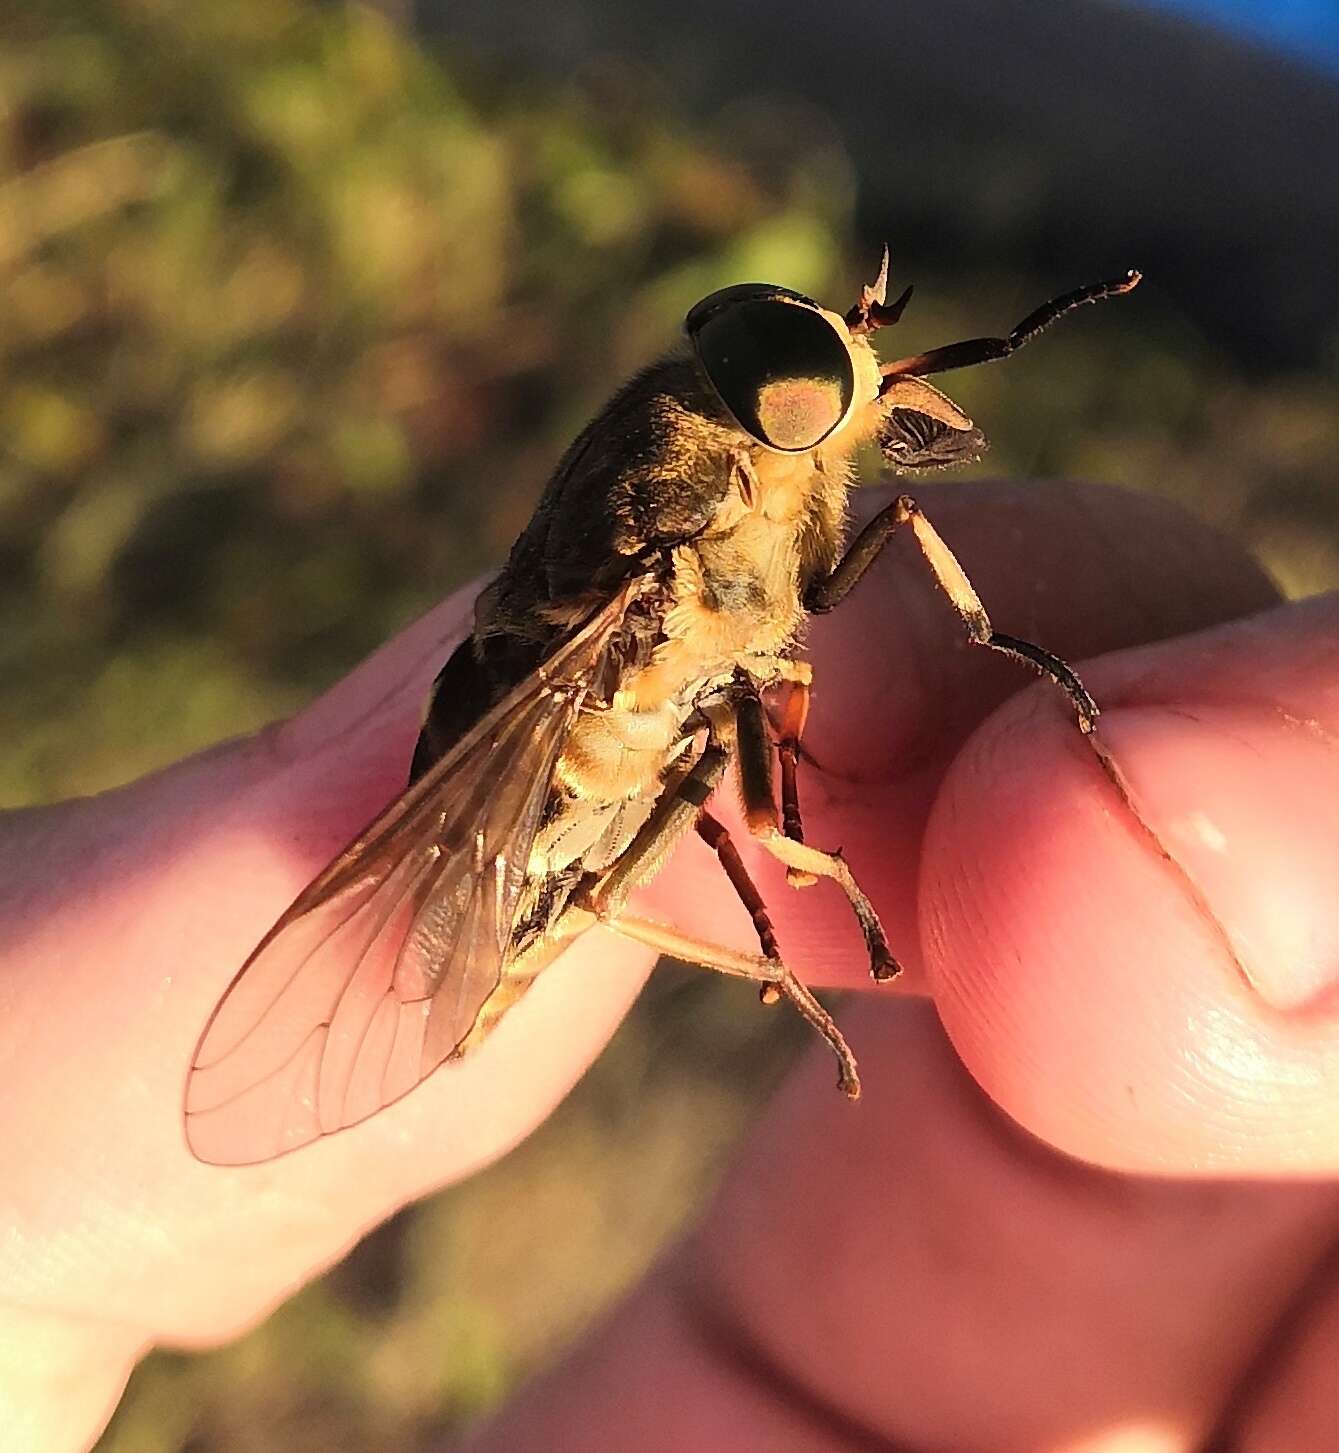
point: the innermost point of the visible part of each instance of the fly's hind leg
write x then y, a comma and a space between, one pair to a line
683, 806
803, 862
771, 973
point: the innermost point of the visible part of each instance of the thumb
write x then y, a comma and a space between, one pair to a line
1145, 973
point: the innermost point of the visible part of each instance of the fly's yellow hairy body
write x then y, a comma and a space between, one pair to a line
736, 604
615, 669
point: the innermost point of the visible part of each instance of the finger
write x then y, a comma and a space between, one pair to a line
1150, 978
175, 879
133, 912
1078, 1307
1291, 1403
915, 1272
1080, 569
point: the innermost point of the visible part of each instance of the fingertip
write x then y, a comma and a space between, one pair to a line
1145, 978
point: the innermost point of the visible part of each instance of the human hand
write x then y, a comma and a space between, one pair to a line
1149, 986
128, 913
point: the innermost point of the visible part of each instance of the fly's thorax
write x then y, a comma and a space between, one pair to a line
771, 521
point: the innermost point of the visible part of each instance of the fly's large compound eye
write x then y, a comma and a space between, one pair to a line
779, 365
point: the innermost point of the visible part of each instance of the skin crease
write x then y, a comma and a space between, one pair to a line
916, 1270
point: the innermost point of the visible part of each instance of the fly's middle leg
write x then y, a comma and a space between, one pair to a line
755, 758
790, 729
771, 973
803, 862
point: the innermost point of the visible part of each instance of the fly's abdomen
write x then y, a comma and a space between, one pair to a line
619, 752
460, 696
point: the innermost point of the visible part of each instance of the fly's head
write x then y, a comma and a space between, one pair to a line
798, 379
793, 376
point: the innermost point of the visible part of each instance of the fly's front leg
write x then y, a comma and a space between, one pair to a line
755, 780
824, 594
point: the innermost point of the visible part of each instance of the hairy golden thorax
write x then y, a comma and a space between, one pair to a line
735, 605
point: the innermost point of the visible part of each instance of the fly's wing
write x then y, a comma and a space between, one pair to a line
379, 969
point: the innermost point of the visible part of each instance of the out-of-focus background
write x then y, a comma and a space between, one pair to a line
299, 302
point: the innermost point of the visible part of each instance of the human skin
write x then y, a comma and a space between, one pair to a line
1141, 979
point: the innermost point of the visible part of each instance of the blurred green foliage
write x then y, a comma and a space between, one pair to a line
296, 318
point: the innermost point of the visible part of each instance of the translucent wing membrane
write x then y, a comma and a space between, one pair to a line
379, 969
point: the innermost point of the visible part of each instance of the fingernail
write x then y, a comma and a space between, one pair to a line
1245, 802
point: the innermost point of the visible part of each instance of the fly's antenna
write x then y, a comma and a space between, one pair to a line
972, 351
870, 312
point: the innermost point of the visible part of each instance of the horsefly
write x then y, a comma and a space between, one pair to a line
641, 637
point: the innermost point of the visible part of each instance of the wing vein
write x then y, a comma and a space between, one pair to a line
421, 906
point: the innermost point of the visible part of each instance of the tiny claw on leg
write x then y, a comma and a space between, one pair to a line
800, 857
884, 968
848, 1079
